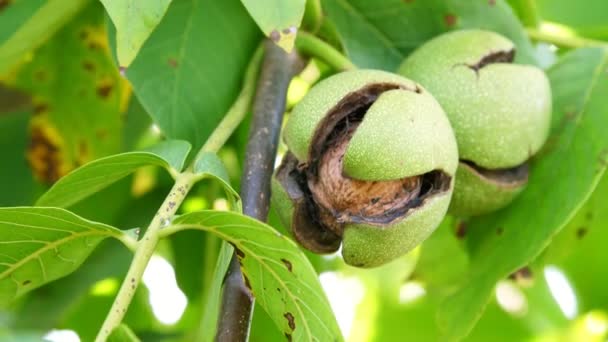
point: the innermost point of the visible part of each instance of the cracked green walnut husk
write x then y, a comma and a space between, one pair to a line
370, 165
500, 113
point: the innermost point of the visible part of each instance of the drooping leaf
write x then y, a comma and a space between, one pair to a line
282, 279
189, 71
279, 20
123, 333
76, 93
24, 25
562, 177
100, 173
380, 34
40, 245
134, 21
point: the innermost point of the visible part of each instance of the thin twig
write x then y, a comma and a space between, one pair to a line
310, 45
269, 106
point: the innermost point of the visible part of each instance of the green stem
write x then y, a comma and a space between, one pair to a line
128, 241
145, 249
310, 45
313, 16
238, 110
564, 41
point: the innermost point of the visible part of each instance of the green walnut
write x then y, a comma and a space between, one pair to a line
370, 165
500, 113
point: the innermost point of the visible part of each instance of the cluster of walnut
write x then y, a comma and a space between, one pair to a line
376, 160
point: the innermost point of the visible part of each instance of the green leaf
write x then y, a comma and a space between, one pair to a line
380, 34
579, 250
278, 19
443, 259
100, 173
122, 333
26, 24
47, 307
279, 274
562, 177
137, 125
197, 56
208, 164
134, 21
76, 100
40, 245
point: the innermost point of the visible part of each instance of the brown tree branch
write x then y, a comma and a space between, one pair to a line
268, 108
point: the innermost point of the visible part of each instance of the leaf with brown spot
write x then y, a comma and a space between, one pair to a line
292, 296
189, 100
70, 100
43, 153
291, 321
287, 264
584, 260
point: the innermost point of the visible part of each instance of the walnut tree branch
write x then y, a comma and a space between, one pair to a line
268, 108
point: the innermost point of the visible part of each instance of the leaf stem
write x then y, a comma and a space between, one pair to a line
143, 253
310, 45
564, 41
313, 16
128, 241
